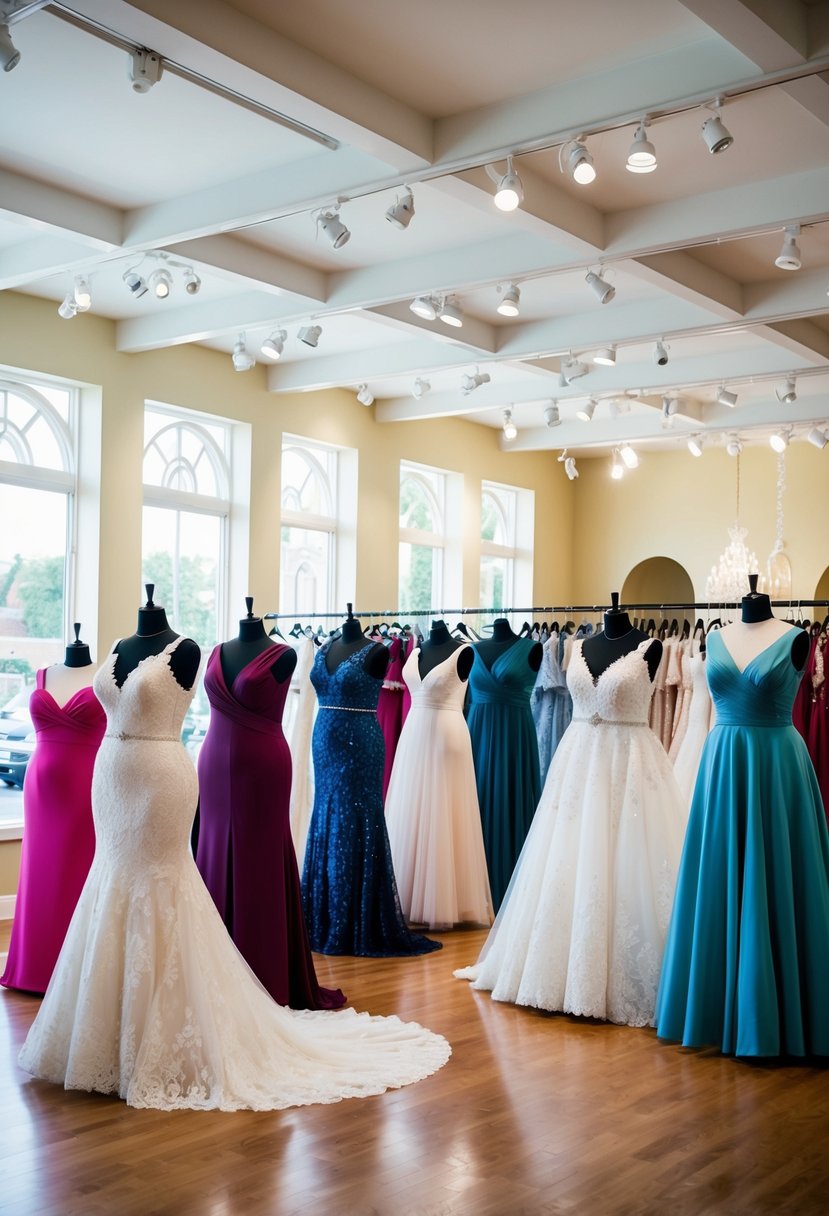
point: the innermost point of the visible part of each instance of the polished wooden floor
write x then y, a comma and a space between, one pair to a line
534, 1114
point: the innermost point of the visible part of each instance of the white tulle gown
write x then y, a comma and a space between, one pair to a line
150, 999
583, 924
432, 813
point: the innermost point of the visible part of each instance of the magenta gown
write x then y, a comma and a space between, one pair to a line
390, 707
58, 835
245, 852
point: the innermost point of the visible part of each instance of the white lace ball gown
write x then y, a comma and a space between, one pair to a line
583, 924
150, 999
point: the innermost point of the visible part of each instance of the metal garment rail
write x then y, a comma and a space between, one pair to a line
540, 609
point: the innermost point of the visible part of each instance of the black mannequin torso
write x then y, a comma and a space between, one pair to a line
618, 639
152, 634
438, 647
252, 639
77, 652
352, 639
501, 640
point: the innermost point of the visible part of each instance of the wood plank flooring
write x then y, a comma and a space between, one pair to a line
534, 1114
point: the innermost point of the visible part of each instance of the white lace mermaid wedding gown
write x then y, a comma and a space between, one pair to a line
582, 926
150, 999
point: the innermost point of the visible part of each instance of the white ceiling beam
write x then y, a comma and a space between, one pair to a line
40, 259
690, 280
408, 359
237, 260
196, 322
36, 205
802, 337
799, 293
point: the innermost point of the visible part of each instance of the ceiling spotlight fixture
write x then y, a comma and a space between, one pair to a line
329, 222
585, 412
817, 437
660, 354
670, 405
725, 397
629, 456
402, 209
572, 369
600, 287
509, 192
734, 445
509, 428
606, 357
617, 469
273, 346
425, 307
144, 69
365, 395
789, 256
136, 284
68, 308
780, 439
420, 387
192, 282
642, 154
309, 334
570, 468
161, 282
450, 312
573, 158
695, 445
470, 383
714, 131
9, 54
83, 296
510, 300
242, 360
551, 414
786, 393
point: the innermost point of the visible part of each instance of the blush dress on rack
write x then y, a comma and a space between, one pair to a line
245, 852
349, 892
432, 814
58, 834
583, 924
150, 999
745, 964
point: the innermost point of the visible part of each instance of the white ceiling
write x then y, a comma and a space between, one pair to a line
96, 179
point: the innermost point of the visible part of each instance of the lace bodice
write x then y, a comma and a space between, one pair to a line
440, 688
622, 693
150, 703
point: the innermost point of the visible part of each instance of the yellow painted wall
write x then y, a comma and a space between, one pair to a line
9, 866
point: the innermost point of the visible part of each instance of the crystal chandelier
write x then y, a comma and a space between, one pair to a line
728, 580
778, 567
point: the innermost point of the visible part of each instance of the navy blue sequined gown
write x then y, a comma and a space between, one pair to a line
349, 893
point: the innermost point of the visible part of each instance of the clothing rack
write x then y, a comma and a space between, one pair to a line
538, 610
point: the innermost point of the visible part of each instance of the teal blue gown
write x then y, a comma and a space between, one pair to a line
746, 964
505, 751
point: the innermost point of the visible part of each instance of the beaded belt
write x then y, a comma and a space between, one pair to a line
124, 737
598, 720
349, 709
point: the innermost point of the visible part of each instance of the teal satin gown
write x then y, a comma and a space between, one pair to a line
746, 963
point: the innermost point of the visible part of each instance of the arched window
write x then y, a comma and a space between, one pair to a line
422, 536
308, 557
498, 545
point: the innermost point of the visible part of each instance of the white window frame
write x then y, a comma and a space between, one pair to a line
438, 542
308, 450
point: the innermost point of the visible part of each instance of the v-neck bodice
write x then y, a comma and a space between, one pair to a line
509, 681
621, 693
349, 685
254, 699
440, 688
759, 695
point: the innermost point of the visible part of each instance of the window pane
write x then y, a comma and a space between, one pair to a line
308, 480
182, 456
419, 576
29, 431
305, 571
496, 581
492, 520
182, 556
416, 507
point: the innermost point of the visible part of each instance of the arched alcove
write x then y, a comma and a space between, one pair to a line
658, 580
822, 589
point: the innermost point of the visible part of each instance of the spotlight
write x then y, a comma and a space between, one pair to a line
509, 192
135, 283
817, 437
242, 361
401, 211
551, 414
660, 354
670, 405
695, 445
510, 300
9, 54
725, 397
642, 154
68, 308
333, 227
420, 387
425, 307
600, 287
789, 256
714, 131
364, 395
450, 313
83, 296
309, 334
780, 440
161, 282
629, 456
570, 468
509, 428
192, 282
573, 369
734, 446
786, 393
144, 70
617, 469
470, 383
273, 346
585, 412
606, 357
579, 162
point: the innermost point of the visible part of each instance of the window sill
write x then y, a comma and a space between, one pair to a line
11, 831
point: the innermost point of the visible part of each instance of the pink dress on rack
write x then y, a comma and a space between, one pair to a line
390, 707
817, 735
58, 835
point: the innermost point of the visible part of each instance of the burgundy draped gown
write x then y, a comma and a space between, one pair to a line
245, 852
